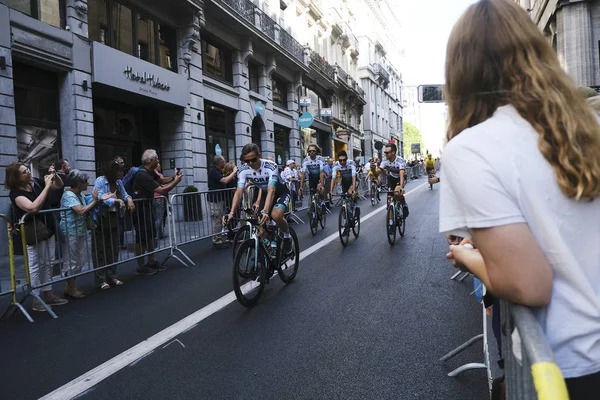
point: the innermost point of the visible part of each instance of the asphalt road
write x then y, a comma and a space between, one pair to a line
368, 321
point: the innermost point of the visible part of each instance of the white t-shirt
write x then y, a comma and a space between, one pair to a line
494, 175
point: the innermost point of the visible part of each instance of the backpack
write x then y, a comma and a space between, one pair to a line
128, 180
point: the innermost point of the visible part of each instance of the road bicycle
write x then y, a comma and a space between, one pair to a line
394, 217
317, 214
257, 259
375, 199
348, 219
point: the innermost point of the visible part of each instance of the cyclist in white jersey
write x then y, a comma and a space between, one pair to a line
347, 171
265, 175
394, 167
312, 166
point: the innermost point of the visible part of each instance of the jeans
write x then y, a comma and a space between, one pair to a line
41, 258
217, 209
105, 251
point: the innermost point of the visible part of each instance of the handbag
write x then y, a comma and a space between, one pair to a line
36, 230
90, 225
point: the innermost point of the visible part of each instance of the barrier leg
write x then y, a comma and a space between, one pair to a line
462, 347
13, 308
465, 276
173, 238
456, 275
467, 367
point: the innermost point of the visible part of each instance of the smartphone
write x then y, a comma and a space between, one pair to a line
178, 170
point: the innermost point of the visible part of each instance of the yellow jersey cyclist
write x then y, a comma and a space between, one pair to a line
430, 165
347, 172
394, 167
276, 196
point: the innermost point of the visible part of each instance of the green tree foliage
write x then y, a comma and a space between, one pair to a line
412, 135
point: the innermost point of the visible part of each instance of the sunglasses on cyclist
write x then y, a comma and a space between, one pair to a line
343, 160
312, 151
252, 160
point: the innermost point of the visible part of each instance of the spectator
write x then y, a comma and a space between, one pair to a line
290, 173
160, 202
121, 218
145, 182
218, 201
30, 195
74, 230
105, 238
522, 180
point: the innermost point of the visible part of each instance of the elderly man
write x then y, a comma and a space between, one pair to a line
217, 201
144, 184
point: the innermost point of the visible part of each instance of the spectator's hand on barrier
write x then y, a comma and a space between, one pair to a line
467, 258
120, 203
235, 170
130, 204
107, 196
454, 240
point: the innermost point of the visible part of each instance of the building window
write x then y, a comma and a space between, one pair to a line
114, 25
217, 60
282, 145
220, 132
279, 92
316, 102
52, 12
253, 76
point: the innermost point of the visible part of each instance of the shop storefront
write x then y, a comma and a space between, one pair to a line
220, 133
37, 117
357, 146
130, 98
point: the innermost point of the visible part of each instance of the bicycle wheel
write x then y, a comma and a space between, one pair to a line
288, 268
249, 273
373, 194
356, 226
390, 224
401, 225
313, 220
343, 226
240, 237
323, 219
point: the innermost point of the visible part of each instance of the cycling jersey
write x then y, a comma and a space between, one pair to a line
346, 173
313, 167
393, 166
430, 162
267, 175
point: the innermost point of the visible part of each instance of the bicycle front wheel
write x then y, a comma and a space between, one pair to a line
343, 226
323, 219
249, 273
373, 194
401, 224
240, 237
390, 224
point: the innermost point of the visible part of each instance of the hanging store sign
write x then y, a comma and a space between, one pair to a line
326, 112
305, 101
356, 143
306, 120
116, 69
259, 107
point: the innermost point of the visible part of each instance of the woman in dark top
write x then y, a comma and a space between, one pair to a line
30, 195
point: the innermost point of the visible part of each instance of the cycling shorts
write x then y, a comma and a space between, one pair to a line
282, 199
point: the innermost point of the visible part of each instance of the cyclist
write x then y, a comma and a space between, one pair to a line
313, 165
430, 165
276, 196
394, 167
347, 171
373, 172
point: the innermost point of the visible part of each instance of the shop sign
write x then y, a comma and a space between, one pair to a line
326, 112
306, 120
341, 134
356, 142
119, 70
305, 101
259, 107
415, 148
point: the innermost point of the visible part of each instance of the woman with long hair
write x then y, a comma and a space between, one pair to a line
521, 180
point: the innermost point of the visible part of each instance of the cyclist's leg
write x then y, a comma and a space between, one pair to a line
280, 207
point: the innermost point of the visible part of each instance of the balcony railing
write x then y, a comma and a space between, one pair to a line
326, 68
247, 9
267, 25
342, 76
383, 74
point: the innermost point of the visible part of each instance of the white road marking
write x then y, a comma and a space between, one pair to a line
136, 353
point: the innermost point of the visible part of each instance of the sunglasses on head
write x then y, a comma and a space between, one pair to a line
251, 160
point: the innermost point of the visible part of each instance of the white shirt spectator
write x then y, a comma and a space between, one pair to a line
495, 175
290, 172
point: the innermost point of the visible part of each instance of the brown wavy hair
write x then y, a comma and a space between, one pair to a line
497, 56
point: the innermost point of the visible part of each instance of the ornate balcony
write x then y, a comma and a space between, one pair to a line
255, 16
323, 66
384, 76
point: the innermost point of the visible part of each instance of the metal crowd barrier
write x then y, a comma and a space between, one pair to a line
111, 241
530, 369
8, 268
